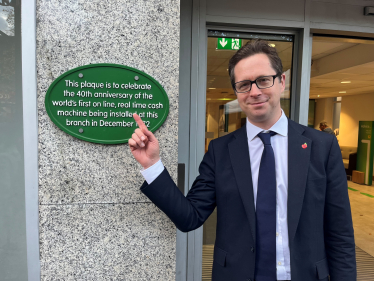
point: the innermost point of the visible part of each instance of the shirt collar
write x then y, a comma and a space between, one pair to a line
280, 127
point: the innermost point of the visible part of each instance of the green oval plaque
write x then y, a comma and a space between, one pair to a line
96, 102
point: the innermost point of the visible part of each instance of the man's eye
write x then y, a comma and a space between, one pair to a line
244, 85
263, 80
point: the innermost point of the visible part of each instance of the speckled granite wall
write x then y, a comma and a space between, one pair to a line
95, 224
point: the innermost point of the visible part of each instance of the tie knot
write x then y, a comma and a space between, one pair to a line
265, 137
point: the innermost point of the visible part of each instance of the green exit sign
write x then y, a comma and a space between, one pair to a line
229, 43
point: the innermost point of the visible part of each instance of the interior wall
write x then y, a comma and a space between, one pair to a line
354, 109
212, 111
213, 119
324, 111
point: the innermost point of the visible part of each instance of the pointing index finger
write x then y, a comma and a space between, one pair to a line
140, 122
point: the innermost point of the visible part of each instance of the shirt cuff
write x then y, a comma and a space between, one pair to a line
151, 173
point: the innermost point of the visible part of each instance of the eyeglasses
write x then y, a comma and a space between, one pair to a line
262, 82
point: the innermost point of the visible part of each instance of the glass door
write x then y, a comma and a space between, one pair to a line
342, 92
223, 114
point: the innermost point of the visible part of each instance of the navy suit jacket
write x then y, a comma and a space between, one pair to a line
319, 217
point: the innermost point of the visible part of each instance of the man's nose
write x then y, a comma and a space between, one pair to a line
255, 91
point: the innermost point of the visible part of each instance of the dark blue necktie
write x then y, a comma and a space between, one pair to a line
266, 214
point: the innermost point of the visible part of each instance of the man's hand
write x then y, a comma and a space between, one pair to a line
144, 145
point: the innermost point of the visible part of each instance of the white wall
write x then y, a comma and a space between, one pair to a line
354, 109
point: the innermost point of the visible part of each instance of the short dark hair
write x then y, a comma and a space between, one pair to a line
253, 47
323, 123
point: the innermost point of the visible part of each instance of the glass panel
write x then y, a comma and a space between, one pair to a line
13, 261
342, 86
223, 114
342, 71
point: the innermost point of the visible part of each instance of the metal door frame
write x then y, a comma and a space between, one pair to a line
30, 136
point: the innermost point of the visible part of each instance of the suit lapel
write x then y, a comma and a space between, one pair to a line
239, 156
299, 148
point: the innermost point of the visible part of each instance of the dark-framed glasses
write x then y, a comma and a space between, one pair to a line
262, 82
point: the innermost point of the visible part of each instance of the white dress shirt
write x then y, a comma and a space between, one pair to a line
279, 143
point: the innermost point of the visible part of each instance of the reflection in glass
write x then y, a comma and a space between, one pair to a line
223, 114
7, 62
7, 20
13, 256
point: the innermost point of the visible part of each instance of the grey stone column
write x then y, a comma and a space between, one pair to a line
95, 224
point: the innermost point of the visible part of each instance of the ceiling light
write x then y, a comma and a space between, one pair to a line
212, 88
342, 92
318, 96
345, 82
272, 45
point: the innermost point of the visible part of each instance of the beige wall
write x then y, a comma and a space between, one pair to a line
354, 109
213, 121
324, 111
212, 111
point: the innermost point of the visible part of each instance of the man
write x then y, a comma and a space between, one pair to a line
324, 127
280, 188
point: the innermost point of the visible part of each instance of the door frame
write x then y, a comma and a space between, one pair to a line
30, 136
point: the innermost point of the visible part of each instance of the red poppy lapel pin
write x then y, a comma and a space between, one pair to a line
304, 145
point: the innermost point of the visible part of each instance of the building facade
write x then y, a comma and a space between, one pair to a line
72, 210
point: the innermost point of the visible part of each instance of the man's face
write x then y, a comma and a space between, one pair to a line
262, 106
322, 127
